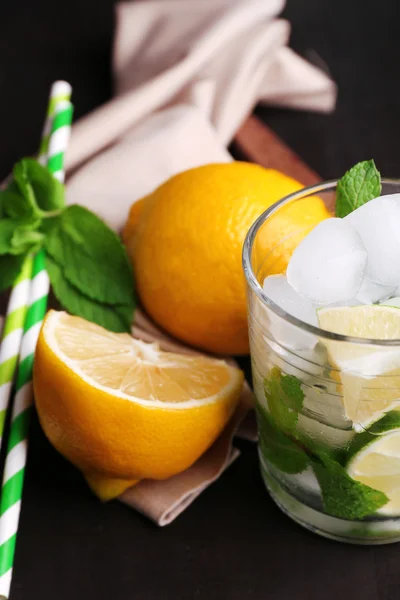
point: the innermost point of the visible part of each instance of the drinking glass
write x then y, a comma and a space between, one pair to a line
326, 462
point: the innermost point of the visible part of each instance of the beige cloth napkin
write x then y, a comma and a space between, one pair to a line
187, 73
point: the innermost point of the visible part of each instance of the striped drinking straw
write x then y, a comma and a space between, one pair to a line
12, 336
60, 92
19, 298
14, 470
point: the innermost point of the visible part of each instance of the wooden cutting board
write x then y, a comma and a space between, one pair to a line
259, 144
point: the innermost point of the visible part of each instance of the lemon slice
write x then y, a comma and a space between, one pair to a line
369, 374
122, 410
375, 460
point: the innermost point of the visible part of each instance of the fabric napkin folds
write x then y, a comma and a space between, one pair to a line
187, 73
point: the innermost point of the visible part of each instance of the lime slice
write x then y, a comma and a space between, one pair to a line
375, 460
379, 322
368, 376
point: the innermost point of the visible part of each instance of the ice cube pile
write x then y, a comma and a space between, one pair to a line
343, 262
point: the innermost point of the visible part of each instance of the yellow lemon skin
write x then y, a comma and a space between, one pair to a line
186, 238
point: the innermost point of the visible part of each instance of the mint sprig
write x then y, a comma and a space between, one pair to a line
87, 264
342, 496
357, 186
288, 449
277, 425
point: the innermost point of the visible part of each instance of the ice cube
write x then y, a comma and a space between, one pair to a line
328, 265
378, 223
371, 292
275, 342
289, 336
304, 363
352, 302
281, 293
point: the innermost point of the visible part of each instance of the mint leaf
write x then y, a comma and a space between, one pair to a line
7, 230
50, 225
39, 191
78, 304
291, 387
93, 258
15, 205
285, 399
390, 421
359, 185
10, 266
22, 185
26, 237
48, 192
278, 448
342, 496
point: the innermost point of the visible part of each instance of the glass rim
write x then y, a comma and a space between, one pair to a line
252, 281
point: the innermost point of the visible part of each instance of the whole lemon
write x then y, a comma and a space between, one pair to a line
185, 240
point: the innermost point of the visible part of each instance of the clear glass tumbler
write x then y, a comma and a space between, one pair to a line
328, 406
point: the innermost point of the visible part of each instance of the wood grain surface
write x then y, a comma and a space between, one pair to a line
257, 143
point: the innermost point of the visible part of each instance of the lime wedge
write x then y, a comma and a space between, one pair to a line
379, 322
375, 460
368, 376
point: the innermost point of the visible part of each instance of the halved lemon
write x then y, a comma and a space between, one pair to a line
123, 410
369, 373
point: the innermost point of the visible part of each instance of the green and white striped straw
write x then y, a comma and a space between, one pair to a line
14, 470
59, 138
12, 337
60, 91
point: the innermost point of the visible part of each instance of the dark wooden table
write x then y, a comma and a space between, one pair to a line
233, 543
